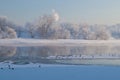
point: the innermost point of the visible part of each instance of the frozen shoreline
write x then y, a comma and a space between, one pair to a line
30, 65
64, 63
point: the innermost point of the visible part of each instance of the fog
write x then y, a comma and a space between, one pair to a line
46, 51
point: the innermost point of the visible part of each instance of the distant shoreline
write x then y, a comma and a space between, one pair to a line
57, 42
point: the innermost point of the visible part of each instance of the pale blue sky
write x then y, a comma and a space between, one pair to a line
82, 11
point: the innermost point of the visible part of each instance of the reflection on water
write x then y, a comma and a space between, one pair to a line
40, 54
7, 52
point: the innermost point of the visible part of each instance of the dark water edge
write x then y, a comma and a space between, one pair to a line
69, 72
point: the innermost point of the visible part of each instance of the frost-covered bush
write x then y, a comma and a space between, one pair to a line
100, 33
60, 33
5, 29
87, 32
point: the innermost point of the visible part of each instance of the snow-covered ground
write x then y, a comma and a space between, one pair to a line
55, 42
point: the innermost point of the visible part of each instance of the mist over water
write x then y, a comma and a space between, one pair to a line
41, 53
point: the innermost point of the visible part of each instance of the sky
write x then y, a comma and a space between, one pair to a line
76, 11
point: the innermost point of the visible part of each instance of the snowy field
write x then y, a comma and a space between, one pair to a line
57, 42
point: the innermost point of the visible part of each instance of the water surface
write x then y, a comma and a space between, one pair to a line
62, 73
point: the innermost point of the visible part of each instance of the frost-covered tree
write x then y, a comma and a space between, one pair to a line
102, 33
30, 28
5, 29
72, 28
40, 28
84, 32
61, 33
97, 32
47, 27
